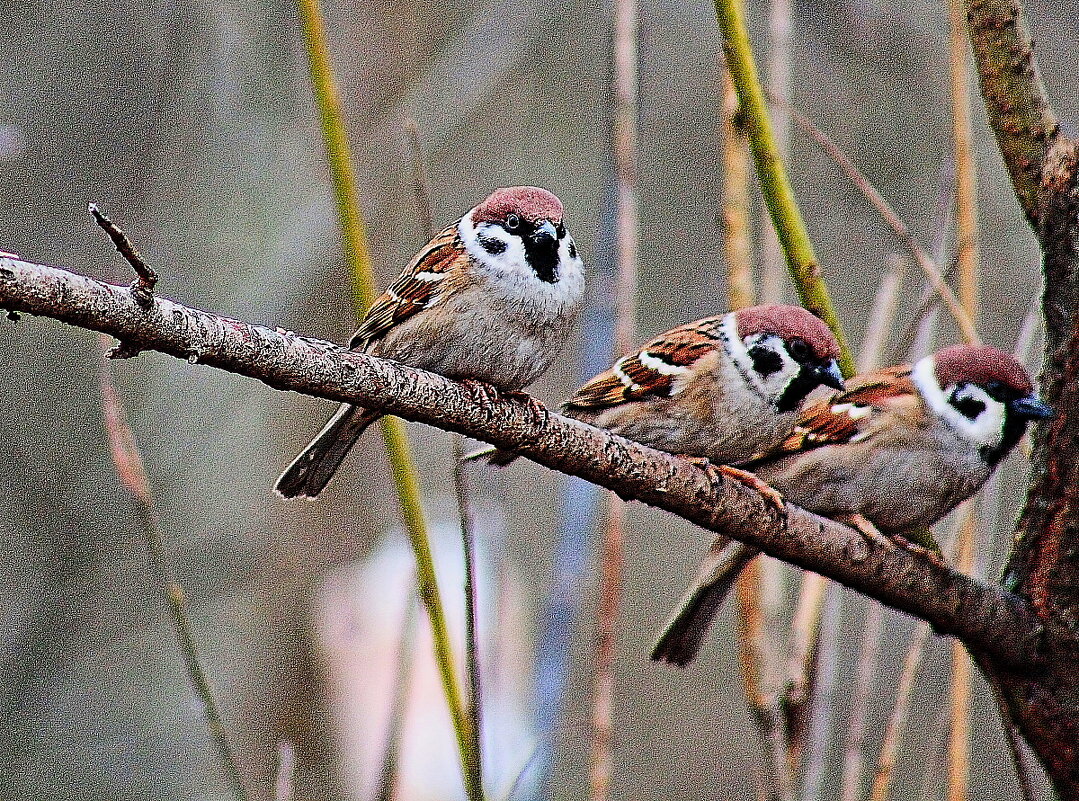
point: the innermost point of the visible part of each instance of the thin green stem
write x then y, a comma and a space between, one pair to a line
405, 476
775, 185
335, 137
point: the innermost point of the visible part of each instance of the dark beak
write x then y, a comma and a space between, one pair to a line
545, 234
829, 375
1031, 407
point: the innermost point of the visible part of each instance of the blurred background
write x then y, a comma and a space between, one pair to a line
193, 125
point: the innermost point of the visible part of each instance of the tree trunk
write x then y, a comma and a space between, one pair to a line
1044, 566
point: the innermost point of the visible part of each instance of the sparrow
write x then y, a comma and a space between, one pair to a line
893, 453
718, 389
490, 298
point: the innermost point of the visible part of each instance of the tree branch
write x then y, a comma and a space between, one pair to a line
1011, 83
984, 616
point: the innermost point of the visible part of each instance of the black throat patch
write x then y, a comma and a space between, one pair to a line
799, 387
542, 256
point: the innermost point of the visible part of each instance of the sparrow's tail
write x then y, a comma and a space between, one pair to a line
492, 455
684, 634
312, 470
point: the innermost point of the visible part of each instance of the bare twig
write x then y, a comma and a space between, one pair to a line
966, 245
865, 673
987, 616
758, 652
132, 473
822, 708
772, 174
146, 276
929, 267
801, 667
472, 648
402, 467
421, 188
758, 659
737, 225
958, 765
881, 318
778, 76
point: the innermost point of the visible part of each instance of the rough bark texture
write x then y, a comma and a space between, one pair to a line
986, 617
1011, 83
1044, 567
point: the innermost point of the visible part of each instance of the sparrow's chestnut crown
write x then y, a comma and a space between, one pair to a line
789, 323
529, 203
981, 365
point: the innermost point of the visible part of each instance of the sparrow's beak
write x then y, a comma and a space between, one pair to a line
545, 234
1031, 407
829, 375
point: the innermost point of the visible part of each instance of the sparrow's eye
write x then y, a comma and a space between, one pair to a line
513, 222
996, 390
799, 349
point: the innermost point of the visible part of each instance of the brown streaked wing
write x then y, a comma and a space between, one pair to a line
631, 379
819, 425
408, 294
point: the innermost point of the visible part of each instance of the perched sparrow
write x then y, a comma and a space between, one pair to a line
490, 298
722, 388
895, 452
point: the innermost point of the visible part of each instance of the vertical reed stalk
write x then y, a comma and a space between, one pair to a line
881, 319
405, 476
624, 151
893, 733
958, 773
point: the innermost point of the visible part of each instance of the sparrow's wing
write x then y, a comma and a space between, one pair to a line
849, 415
416, 288
653, 371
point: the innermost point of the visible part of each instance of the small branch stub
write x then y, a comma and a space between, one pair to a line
142, 288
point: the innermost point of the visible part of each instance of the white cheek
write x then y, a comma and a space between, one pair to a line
984, 430
770, 386
515, 280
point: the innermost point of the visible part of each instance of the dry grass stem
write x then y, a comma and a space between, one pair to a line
737, 222
893, 733
132, 474
966, 217
624, 146
802, 663
864, 677
284, 779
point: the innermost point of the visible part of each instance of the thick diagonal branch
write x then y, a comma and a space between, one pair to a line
986, 617
1011, 84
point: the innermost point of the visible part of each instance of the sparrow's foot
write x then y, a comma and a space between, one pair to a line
865, 527
772, 495
483, 392
919, 550
523, 397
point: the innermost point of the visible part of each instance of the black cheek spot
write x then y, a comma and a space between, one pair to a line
968, 407
572, 250
765, 360
492, 245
